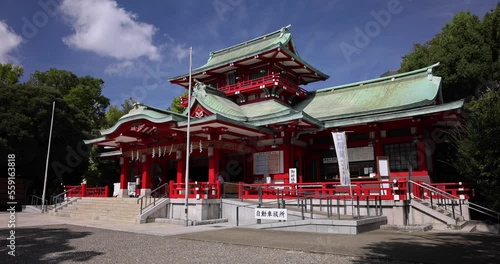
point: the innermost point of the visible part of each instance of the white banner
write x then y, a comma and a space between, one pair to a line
292, 175
339, 139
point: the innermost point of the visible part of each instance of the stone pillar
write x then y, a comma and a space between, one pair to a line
146, 174
124, 163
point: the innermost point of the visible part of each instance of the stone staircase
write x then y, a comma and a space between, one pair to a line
124, 210
455, 223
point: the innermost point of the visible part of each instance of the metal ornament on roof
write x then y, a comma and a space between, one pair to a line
191, 148
201, 147
153, 153
132, 155
137, 156
171, 147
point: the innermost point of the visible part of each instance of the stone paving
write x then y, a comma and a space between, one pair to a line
50, 239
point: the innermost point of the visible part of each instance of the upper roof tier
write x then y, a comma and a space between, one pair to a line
276, 47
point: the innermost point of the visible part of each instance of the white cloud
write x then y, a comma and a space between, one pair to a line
9, 41
179, 51
123, 68
108, 30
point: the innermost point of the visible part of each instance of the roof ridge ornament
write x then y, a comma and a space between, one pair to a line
284, 29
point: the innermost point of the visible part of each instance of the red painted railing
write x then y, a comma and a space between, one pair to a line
84, 191
385, 190
255, 84
196, 190
269, 80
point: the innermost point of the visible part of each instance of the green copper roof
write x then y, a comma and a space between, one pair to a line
141, 111
216, 102
248, 48
432, 109
397, 92
276, 39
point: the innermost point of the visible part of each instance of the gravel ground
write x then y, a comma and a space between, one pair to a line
76, 244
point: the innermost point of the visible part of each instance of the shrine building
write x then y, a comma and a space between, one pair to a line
252, 119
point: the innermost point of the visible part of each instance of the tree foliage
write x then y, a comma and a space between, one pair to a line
176, 104
479, 147
114, 113
10, 74
25, 115
467, 49
85, 93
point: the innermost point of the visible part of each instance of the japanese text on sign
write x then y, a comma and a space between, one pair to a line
271, 214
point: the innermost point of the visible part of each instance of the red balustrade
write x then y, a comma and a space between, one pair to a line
255, 84
196, 190
84, 191
385, 190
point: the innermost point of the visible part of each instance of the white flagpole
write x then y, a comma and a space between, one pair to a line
44, 209
186, 177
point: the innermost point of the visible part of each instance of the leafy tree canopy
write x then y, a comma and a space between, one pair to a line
479, 147
467, 49
85, 93
176, 104
10, 74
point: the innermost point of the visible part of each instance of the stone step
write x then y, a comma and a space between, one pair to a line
102, 209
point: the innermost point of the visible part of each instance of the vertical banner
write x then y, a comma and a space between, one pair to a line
343, 160
292, 175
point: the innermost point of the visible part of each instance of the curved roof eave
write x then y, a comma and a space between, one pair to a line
138, 117
456, 105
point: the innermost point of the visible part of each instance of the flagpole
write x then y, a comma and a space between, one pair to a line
44, 209
186, 176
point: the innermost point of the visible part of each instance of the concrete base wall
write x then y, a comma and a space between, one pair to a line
398, 213
198, 210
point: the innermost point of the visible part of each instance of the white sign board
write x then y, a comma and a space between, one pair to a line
269, 162
271, 214
292, 175
339, 139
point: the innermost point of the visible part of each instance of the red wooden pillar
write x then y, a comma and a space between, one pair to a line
213, 165
124, 163
421, 155
146, 174
181, 166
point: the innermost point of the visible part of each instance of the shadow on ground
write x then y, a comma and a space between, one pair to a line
44, 244
437, 248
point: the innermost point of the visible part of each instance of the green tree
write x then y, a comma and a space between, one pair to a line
25, 115
478, 147
85, 93
10, 74
465, 55
114, 113
176, 104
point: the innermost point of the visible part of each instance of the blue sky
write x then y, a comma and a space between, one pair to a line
134, 46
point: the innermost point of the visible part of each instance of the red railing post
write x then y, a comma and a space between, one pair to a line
83, 192
106, 191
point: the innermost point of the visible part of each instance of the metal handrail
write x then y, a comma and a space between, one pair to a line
441, 194
476, 207
143, 199
62, 198
36, 201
